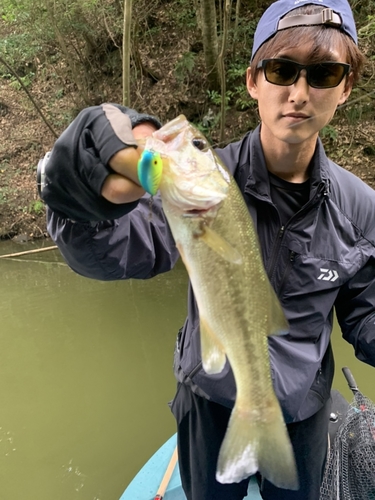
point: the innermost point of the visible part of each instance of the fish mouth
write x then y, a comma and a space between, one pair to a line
196, 212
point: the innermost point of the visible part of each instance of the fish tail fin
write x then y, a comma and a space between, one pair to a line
238, 456
275, 454
252, 445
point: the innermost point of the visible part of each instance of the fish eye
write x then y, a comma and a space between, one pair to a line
199, 144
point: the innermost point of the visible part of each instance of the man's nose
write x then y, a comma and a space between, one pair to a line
300, 89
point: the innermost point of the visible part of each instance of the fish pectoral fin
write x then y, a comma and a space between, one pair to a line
278, 323
213, 355
219, 245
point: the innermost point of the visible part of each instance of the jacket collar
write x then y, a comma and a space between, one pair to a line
258, 179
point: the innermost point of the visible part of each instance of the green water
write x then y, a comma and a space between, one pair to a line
85, 377
86, 374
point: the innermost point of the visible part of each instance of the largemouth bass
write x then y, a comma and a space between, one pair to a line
238, 307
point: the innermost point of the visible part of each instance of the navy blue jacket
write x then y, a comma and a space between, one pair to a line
321, 261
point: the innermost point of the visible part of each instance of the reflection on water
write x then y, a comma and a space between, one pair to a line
86, 374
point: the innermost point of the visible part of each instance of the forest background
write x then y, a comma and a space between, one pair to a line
163, 57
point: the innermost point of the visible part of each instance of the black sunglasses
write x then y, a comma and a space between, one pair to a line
324, 75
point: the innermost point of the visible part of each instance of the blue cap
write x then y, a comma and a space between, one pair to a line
337, 14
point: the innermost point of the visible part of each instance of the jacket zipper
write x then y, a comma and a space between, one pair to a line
317, 382
275, 253
195, 370
276, 248
288, 267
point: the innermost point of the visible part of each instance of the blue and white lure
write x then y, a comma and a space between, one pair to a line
150, 169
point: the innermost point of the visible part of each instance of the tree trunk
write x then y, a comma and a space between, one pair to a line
226, 18
198, 14
210, 42
126, 50
235, 29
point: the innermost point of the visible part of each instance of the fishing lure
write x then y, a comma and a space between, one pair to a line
150, 169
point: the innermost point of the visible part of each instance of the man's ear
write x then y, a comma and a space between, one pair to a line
347, 89
251, 84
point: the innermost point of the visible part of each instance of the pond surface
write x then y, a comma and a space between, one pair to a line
86, 374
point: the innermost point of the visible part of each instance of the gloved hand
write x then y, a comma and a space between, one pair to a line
91, 173
123, 185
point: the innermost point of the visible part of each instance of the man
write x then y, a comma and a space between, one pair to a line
315, 223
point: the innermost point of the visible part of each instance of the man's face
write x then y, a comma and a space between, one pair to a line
296, 113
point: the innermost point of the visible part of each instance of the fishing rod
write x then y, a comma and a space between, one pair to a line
36, 106
27, 252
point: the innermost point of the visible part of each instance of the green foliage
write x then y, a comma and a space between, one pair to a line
215, 97
245, 35
237, 70
6, 194
185, 65
26, 80
359, 106
329, 133
354, 113
76, 45
183, 14
36, 207
237, 96
11, 11
77, 34
207, 127
153, 31
3, 196
241, 98
368, 30
19, 50
60, 93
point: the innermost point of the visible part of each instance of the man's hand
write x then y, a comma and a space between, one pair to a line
123, 186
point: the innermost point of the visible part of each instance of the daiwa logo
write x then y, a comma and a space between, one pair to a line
328, 275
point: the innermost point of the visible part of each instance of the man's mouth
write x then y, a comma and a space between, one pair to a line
296, 116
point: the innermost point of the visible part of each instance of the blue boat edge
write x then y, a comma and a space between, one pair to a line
145, 484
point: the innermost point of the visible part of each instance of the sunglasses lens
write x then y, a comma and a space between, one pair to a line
322, 76
280, 72
326, 75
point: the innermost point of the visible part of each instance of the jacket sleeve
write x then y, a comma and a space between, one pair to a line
137, 245
78, 163
355, 310
99, 239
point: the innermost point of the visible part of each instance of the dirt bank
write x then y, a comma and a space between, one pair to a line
24, 138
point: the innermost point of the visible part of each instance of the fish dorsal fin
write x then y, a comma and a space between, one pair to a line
219, 245
213, 355
278, 323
